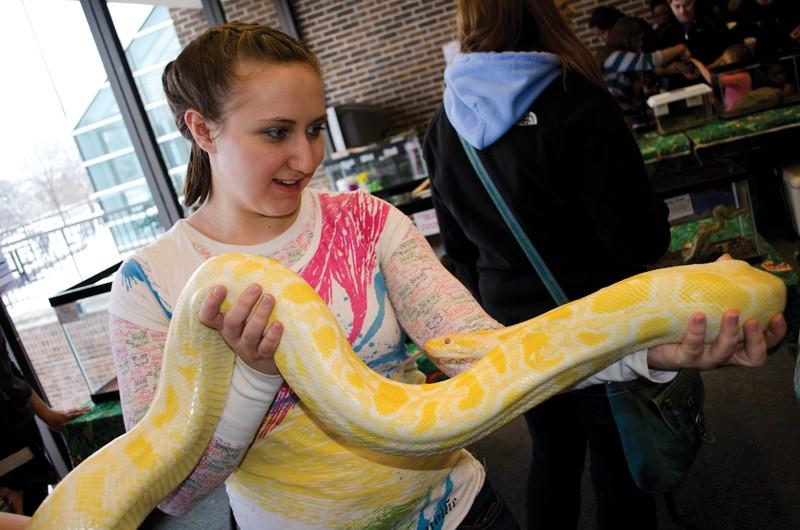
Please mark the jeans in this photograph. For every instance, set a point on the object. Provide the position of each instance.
(562, 428)
(488, 512)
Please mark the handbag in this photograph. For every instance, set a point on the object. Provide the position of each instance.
(661, 425)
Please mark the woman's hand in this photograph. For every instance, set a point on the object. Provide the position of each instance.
(244, 327)
(693, 352)
(795, 33)
(56, 419)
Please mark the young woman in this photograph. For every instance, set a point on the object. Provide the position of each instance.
(530, 97)
(624, 64)
(250, 100)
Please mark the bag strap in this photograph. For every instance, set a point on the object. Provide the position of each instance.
(550, 282)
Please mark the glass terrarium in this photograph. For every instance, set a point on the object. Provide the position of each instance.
(378, 166)
(681, 109)
(742, 89)
(706, 223)
(787, 77)
(82, 312)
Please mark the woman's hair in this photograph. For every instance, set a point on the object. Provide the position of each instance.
(627, 34)
(203, 76)
(523, 25)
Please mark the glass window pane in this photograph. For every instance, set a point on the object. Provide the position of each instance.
(161, 119)
(150, 46)
(149, 85)
(73, 200)
(153, 47)
(102, 107)
(98, 141)
(175, 151)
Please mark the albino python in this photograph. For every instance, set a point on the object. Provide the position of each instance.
(502, 373)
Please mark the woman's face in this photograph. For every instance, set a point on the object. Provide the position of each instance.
(269, 142)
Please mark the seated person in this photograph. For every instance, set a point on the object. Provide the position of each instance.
(705, 36)
(774, 76)
(602, 19)
(27, 470)
(624, 64)
(662, 15)
(774, 24)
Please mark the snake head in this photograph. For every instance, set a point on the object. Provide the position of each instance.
(456, 352)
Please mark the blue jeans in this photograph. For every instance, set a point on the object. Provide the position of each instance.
(488, 512)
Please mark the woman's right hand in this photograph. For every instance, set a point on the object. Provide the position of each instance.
(244, 327)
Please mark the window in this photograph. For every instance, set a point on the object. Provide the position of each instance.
(74, 199)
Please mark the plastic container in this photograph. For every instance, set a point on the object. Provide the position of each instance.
(681, 109)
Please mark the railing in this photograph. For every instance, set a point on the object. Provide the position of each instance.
(33, 256)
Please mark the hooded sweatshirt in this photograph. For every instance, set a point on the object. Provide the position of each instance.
(487, 93)
(558, 149)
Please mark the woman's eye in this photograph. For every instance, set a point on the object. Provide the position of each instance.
(275, 133)
(316, 130)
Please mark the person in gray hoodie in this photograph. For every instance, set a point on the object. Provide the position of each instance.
(528, 95)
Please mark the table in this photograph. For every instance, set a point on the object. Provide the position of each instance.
(656, 147)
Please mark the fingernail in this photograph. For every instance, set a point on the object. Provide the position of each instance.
(253, 289)
(699, 319)
(219, 291)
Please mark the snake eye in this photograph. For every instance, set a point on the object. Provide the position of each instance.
(447, 341)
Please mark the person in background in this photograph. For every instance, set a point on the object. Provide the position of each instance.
(602, 19)
(530, 97)
(624, 64)
(25, 469)
(774, 24)
(706, 37)
(566, 9)
(662, 15)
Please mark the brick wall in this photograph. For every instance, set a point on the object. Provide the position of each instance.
(583, 8)
(54, 362)
(384, 52)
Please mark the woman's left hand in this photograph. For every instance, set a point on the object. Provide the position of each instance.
(727, 349)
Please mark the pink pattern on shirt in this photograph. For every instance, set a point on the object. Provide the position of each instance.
(351, 227)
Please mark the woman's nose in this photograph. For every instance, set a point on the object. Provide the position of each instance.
(304, 156)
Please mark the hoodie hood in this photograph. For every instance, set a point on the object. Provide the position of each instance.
(486, 93)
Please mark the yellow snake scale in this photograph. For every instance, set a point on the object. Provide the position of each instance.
(509, 371)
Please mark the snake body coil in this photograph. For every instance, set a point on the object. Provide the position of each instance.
(509, 371)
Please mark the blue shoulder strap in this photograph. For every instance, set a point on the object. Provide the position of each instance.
(530, 251)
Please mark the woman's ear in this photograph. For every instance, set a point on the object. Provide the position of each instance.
(200, 129)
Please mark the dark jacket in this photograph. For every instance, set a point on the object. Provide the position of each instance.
(705, 38)
(577, 181)
(769, 25)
